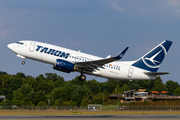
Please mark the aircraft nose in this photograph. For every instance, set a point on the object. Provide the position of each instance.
(10, 46)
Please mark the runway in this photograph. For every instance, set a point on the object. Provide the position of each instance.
(90, 117)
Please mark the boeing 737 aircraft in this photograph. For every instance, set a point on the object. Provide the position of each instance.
(66, 60)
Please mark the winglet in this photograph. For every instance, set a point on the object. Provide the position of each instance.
(121, 54)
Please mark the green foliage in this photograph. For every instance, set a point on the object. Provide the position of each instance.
(171, 86)
(56, 103)
(24, 90)
(177, 91)
(85, 101)
(120, 90)
(79, 92)
(5, 103)
(158, 85)
(109, 86)
(98, 98)
(134, 85)
(41, 103)
(150, 85)
(94, 86)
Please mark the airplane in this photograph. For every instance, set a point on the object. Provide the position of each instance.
(67, 60)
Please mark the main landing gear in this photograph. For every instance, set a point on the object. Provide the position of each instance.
(82, 77)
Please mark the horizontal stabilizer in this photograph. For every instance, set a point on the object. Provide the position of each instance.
(156, 73)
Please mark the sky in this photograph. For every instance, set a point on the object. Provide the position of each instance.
(97, 27)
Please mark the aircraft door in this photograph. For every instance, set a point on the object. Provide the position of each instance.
(32, 46)
(130, 72)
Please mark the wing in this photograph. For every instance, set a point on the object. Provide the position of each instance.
(91, 66)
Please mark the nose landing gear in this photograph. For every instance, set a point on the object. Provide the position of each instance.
(23, 62)
(20, 56)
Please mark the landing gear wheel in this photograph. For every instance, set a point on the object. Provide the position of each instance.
(82, 77)
(23, 62)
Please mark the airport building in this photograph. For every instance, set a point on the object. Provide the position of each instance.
(141, 95)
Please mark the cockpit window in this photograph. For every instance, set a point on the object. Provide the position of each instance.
(20, 43)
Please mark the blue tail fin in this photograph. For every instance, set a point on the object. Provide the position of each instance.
(151, 61)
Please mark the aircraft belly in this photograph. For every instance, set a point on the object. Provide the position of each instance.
(41, 57)
(139, 75)
(113, 74)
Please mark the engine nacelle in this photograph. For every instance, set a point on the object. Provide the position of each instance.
(64, 66)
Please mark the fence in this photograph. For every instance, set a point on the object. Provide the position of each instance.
(85, 108)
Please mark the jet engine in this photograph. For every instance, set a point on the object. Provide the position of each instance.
(64, 66)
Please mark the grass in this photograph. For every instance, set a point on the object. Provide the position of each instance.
(57, 112)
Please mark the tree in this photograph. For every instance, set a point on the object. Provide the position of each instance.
(41, 96)
(32, 82)
(94, 86)
(177, 91)
(171, 86)
(21, 75)
(133, 85)
(51, 86)
(142, 83)
(24, 95)
(4, 80)
(53, 77)
(98, 98)
(42, 103)
(85, 101)
(56, 103)
(76, 81)
(122, 82)
(110, 85)
(40, 77)
(2, 73)
(42, 85)
(121, 90)
(58, 94)
(79, 93)
(158, 85)
(150, 85)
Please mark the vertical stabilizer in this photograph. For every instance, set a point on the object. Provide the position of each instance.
(152, 60)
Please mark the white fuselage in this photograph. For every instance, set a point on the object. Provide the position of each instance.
(40, 52)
